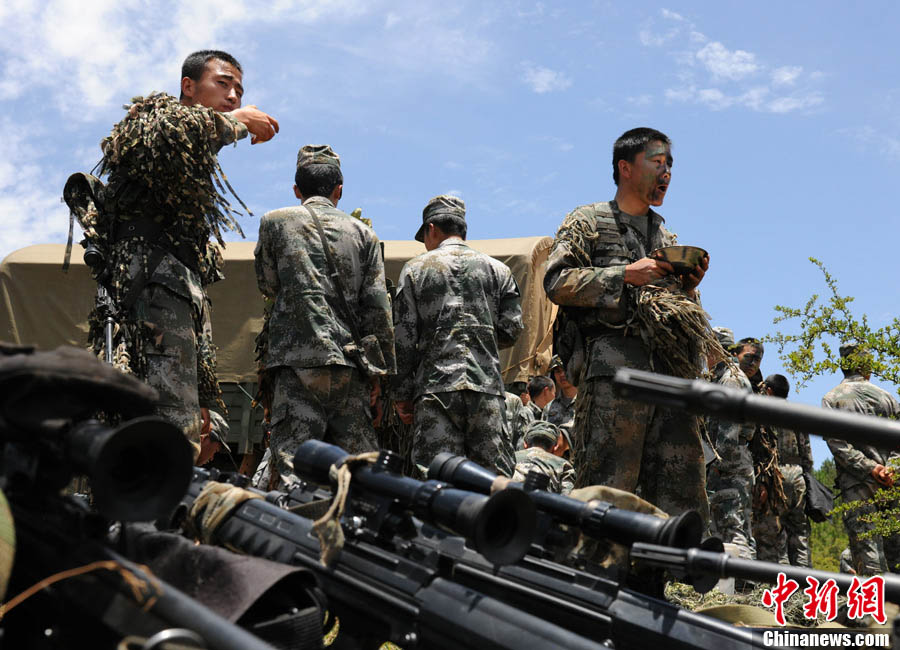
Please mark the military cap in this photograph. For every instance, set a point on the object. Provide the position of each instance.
(565, 429)
(555, 362)
(847, 349)
(218, 429)
(317, 154)
(541, 430)
(725, 336)
(443, 207)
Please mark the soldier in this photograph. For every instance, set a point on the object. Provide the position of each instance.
(598, 262)
(331, 338)
(562, 409)
(542, 390)
(455, 308)
(543, 452)
(518, 417)
(785, 537)
(861, 469)
(730, 477)
(750, 355)
(163, 208)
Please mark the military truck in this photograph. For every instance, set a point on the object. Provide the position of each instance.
(42, 305)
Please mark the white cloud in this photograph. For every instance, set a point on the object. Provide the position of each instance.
(786, 75)
(726, 64)
(544, 80)
(757, 98)
(671, 15)
(641, 100)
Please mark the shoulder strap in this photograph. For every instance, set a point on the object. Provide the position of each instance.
(335, 276)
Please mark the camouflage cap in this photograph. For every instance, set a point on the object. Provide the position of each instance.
(847, 349)
(218, 429)
(725, 336)
(541, 430)
(317, 154)
(444, 207)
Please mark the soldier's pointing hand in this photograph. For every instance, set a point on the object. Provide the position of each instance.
(262, 126)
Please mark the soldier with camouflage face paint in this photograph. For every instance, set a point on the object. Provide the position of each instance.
(861, 469)
(319, 392)
(543, 452)
(595, 271)
(162, 207)
(455, 308)
(730, 478)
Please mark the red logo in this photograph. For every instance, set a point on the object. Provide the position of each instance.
(778, 594)
(821, 600)
(866, 598)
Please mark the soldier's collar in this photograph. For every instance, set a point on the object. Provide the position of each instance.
(319, 200)
(453, 240)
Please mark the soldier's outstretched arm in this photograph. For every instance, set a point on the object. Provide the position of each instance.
(262, 126)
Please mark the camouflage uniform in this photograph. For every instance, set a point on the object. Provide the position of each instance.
(559, 470)
(318, 390)
(537, 413)
(518, 417)
(454, 308)
(618, 442)
(730, 481)
(561, 410)
(785, 538)
(163, 205)
(854, 464)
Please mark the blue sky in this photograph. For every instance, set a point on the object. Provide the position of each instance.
(786, 140)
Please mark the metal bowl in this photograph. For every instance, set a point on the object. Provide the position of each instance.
(682, 258)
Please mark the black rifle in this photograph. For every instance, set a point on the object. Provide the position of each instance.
(139, 471)
(700, 396)
(595, 518)
(430, 589)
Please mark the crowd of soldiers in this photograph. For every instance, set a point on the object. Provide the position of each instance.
(334, 340)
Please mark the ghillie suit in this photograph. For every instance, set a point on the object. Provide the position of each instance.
(149, 230)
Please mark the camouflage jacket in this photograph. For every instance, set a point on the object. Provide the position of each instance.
(732, 438)
(518, 416)
(561, 410)
(855, 462)
(455, 309)
(794, 448)
(307, 328)
(536, 412)
(586, 270)
(559, 470)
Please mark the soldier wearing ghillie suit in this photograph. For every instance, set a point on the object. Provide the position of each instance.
(323, 379)
(861, 469)
(599, 271)
(784, 536)
(730, 477)
(455, 309)
(152, 226)
(543, 453)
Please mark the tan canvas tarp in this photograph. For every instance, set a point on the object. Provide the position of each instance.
(44, 306)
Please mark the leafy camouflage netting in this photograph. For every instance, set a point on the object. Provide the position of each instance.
(768, 492)
(672, 322)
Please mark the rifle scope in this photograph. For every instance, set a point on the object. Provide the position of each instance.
(500, 527)
(595, 518)
(139, 471)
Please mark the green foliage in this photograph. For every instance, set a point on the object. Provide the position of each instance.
(827, 539)
(824, 326)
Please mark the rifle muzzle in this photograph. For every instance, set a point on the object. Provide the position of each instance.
(500, 527)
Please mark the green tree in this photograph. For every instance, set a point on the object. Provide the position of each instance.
(824, 326)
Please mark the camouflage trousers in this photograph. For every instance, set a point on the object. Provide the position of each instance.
(465, 423)
(651, 451)
(785, 538)
(172, 356)
(731, 509)
(330, 403)
(868, 554)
